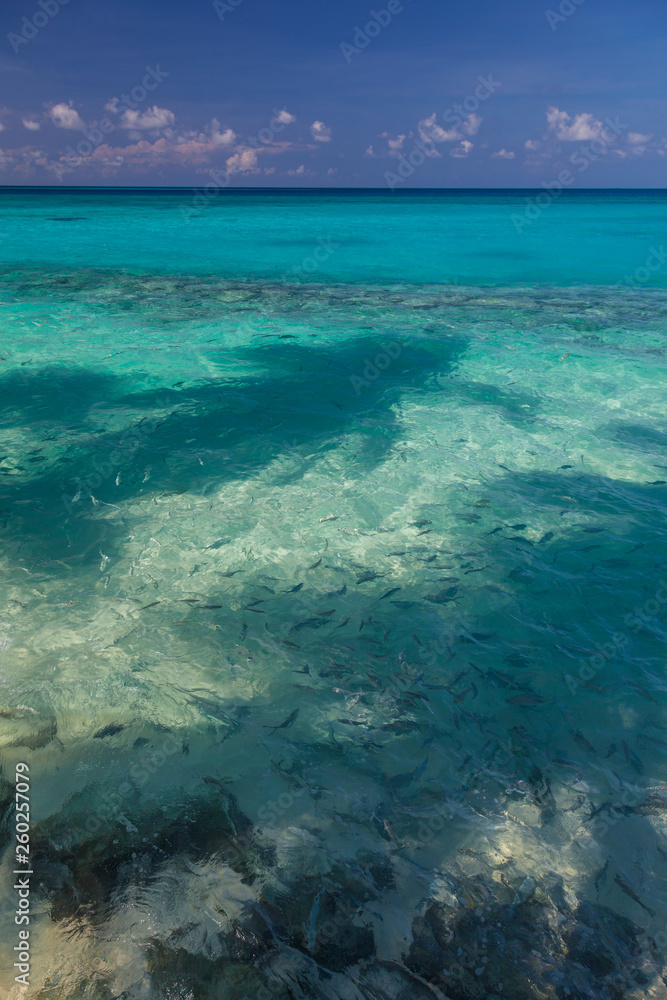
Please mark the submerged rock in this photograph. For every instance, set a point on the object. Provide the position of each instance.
(526, 951)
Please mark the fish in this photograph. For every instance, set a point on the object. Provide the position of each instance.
(610, 752)
(329, 517)
(395, 590)
(629, 891)
(527, 700)
(365, 577)
(443, 596)
(289, 721)
(294, 590)
(309, 623)
(218, 545)
(110, 730)
(581, 740)
(315, 564)
(420, 524)
(150, 605)
(518, 527)
(210, 607)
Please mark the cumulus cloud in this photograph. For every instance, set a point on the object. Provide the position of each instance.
(243, 162)
(396, 143)
(502, 154)
(152, 118)
(462, 151)
(31, 124)
(218, 138)
(581, 128)
(370, 151)
(429, 131)
(531, 144)
(65, 116)
(285, 118)
(471, 125)
(299, 172)
(320, 132)
(637, 138)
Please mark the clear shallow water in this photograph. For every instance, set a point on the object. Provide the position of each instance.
(332, 611)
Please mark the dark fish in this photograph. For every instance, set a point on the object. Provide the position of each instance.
(420, 524)
(546, 537)
(218, 545)
(215, 781)
(518, 527)
(110, 730)
(309, 623)
(210, 607)
(294, 590)
(389, 593)
(150, 605)
(527, 700)
(288, 721)
(581, 740)
(315, 564)
(610, 752)
(365, 577)
(629, 891)
(495, 530)
(443, 596)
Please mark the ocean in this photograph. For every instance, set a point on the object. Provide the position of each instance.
(333, 594)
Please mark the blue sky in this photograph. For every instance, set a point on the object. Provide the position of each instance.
(288, 93)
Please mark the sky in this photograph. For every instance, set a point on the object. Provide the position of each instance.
(299, 93)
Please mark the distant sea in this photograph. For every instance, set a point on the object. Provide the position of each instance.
(333, 594)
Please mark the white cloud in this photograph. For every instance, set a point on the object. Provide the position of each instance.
(331, 171)
(31, 124)
(2, 127)
(285, 118)
(370, 151)
(243, 162)
(430, 132)
(462, 151)
(218, 138)
(396, 143)
(471, 125)
(320, 132)
(581, 128)
(637, 138)
(299, 172)
(269, 170)
(65, 116)
(152, 118)
(531, 144)
(502, 154)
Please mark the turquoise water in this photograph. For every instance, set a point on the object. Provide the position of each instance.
(334, 593)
